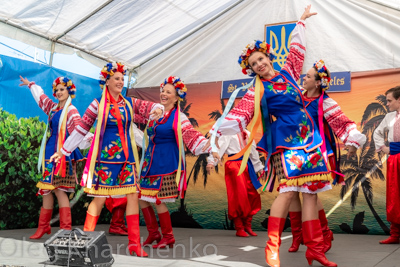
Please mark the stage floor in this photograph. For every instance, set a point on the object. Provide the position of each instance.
(200, 247)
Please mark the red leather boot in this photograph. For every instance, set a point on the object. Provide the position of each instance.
(166, 230)
(394, 235)
(326, 232)
(239, 227)
(134, 236)
(247, 225)
(65, 218)
(117, 225)
(151, 225)
(314, 240)
(44, 223)
(90, 222)
(295, 223)
(275, 228)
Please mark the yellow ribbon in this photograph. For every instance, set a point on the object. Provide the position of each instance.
(253, 125)
(96, 138)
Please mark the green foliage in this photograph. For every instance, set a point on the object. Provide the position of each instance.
(19, 149)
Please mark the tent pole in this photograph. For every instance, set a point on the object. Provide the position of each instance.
(53, 43)
(83, 19)
(53, 46)
(129, 78)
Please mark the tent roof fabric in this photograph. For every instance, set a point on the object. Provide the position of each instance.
(150, 35)
(121, 30)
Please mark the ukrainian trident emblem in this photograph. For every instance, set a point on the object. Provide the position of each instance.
(279, 37)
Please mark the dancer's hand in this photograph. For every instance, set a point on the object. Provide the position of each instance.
(208, 144)
(216, 157)
(307, 13)
(24, 81)
(156, 114)
(386, 150)
(351, 151)
(56, 157)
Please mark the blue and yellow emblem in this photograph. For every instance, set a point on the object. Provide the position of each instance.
(279, 36)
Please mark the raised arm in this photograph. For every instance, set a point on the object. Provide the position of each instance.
(44, 102)
(239, 117)
(295, 59)
(344, 128)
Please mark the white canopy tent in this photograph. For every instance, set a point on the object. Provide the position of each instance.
(200, 40)
(122, 30)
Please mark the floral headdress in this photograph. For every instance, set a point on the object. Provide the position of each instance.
(67, 83)
(257, 45)
(108, 70)
(323, 74)
(178, 84)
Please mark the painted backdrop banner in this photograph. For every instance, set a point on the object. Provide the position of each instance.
(206, 202)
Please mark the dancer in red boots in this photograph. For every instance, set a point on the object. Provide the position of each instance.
(243, 199)
(294, 147)
(329, 118)
(111, 163)
(117, 206)
(58, 179)
(163, 172)
(391, 124)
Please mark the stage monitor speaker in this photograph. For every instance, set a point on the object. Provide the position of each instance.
(78, 248)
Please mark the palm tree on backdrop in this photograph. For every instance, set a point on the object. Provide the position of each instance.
(201, 163)
(366, 162)
(199, 167)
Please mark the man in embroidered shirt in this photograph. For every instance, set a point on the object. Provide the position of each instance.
(391, 124)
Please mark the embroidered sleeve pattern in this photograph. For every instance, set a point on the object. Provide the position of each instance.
(295, 59)
(81, 129)
(73, 118)
(192, 138)
(239, 117)
(44, 102)
(142, 110)
(344, 128)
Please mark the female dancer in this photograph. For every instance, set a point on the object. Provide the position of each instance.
(63, 119)
(110, 169)
(332, 120)
(117, 206)
(292, 144)
(163, 173)
(243, 199)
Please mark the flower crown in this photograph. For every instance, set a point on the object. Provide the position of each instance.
(257, 45)
(67, 83)
(178, 84)
(108, 70)
(323, 74)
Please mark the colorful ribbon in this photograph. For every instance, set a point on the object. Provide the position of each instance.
(253, 125)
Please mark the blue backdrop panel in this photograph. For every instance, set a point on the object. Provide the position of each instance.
(18, 100)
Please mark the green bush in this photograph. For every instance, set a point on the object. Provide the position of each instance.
(19, 149)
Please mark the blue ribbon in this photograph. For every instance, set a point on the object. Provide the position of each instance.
(226, 111)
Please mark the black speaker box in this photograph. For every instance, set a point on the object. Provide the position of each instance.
(77, 248)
